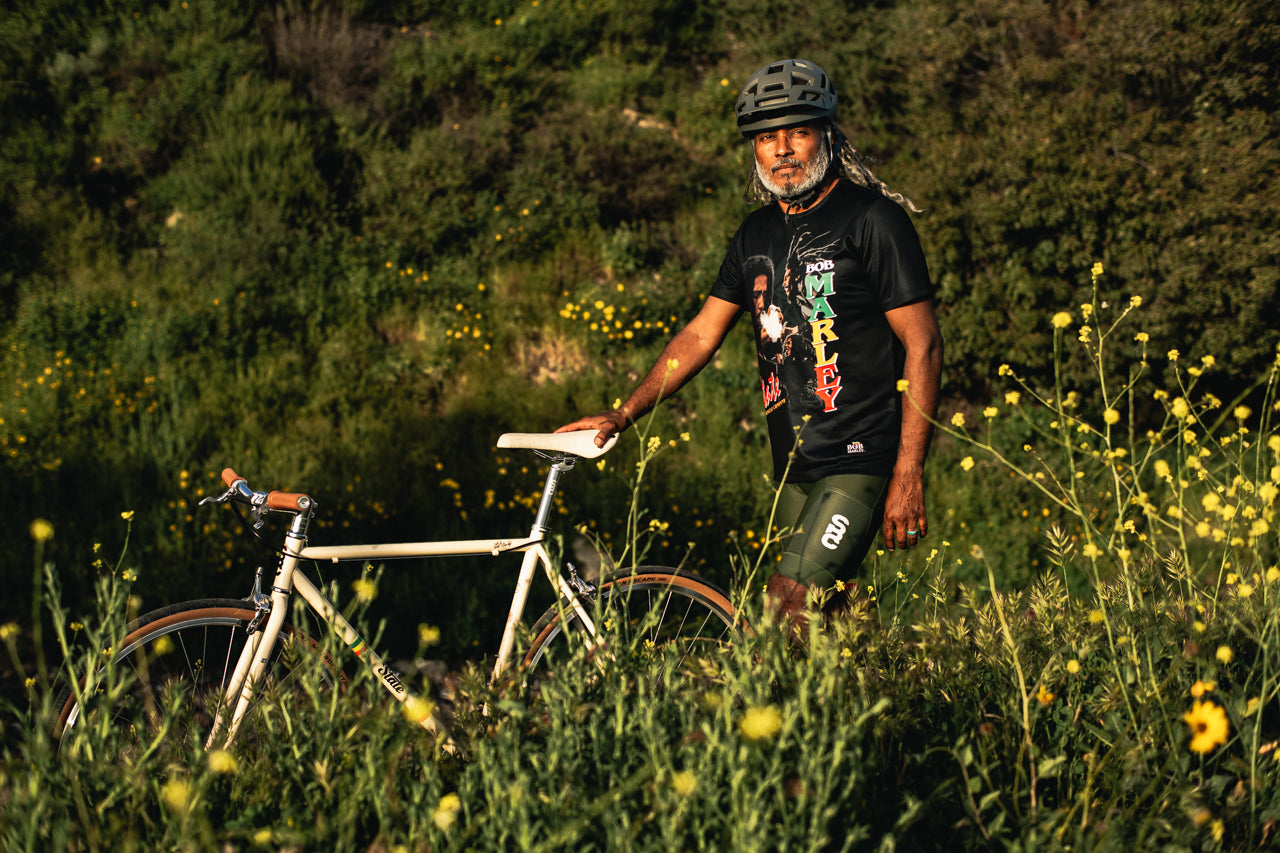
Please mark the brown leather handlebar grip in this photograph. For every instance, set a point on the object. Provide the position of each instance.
(230, 477)
(295, 501)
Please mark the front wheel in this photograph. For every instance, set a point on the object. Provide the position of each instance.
(171, 670)
(643, 612)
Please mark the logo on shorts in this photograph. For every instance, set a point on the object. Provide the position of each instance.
(855, 447)
(835, 532)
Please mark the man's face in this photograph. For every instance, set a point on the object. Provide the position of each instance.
(791, 160)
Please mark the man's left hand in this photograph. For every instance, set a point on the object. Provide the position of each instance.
(904, 519)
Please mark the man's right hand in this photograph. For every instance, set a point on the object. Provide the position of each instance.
(608, 423)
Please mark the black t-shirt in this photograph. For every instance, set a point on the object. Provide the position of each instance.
(818, 285)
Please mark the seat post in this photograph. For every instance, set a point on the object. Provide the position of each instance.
(559, 465)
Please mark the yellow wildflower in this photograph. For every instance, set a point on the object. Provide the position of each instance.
(1224, 654)
(416, 709)
(967, 463)
(1209, 727)
(366, 589)
(684, 783)
(957, 419)
(1044, 696)
(41, 530)
(760, 723)
(1111, 416)
(446, 813)
(221, 761)
(1202, 687)
(177, 793)
(1062, 319)
(1012, 397)
(1073, 666)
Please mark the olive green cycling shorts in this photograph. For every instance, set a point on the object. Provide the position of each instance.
(829, 526)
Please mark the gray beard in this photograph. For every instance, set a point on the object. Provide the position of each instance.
(813, 175)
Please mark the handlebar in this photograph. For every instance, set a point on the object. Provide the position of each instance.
(238, 490)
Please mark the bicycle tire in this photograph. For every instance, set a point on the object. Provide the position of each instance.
(658, 606)
(193, 646)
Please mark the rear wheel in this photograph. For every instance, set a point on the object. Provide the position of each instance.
(653, 610)
(171, 670)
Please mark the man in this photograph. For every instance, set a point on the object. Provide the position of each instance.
(833, 274)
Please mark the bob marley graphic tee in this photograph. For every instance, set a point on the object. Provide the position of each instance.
(818, 285)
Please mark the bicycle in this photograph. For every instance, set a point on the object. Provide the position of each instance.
(228, 652)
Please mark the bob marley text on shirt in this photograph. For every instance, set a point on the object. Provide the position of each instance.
(795, 325)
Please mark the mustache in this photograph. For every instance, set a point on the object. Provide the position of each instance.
(785, 161)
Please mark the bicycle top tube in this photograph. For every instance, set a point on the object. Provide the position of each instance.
(580, 443)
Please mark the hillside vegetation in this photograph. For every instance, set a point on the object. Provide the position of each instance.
(342, 247)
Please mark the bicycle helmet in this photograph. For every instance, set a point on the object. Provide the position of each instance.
(784, 93)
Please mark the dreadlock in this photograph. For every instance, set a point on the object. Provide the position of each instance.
(849, 164)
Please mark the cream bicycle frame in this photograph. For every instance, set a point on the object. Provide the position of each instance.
(257, 651)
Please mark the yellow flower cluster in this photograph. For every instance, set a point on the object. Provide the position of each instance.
(48, 390)
(621, 322)
(468, 325)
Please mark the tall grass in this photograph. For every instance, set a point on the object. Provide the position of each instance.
(1125, 698)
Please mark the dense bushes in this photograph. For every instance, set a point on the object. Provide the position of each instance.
(325, 244)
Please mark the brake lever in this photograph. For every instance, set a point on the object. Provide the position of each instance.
(219, 499)
(257, 502)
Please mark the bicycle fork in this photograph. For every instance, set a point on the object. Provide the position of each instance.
(260, 642)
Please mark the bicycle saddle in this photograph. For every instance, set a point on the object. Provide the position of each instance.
(581, 443)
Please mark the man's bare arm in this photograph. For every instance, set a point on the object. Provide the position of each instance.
(917, 328)
(685, 354)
